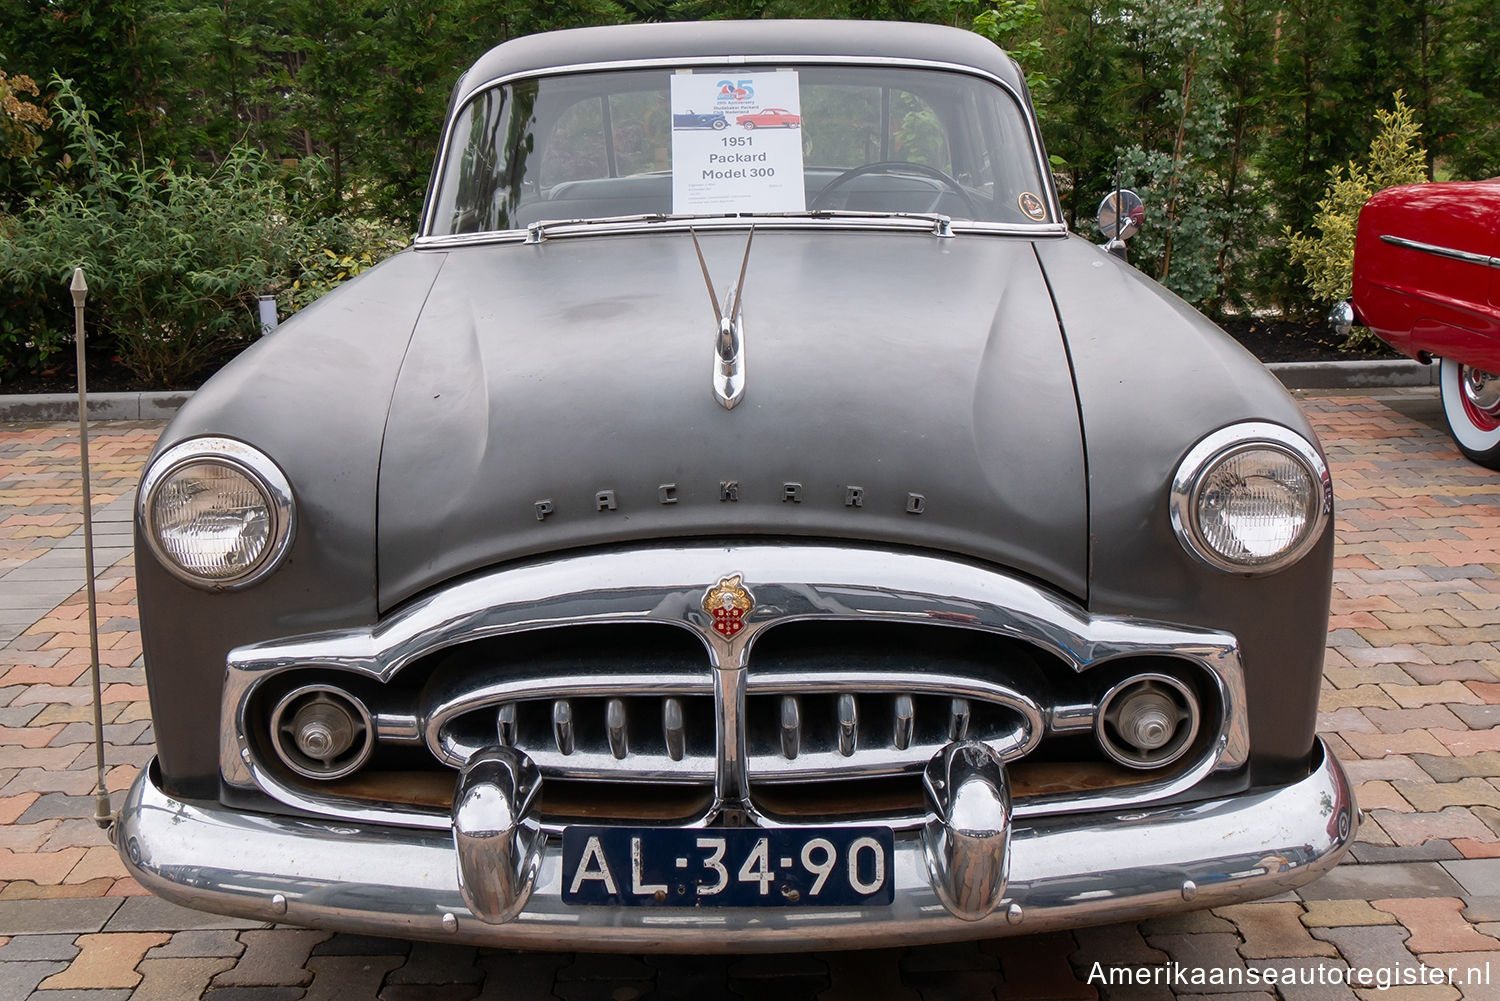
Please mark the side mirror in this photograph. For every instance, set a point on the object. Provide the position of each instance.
(1120, 216)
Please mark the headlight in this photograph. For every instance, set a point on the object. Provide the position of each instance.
(1252, 498)
(216, 512)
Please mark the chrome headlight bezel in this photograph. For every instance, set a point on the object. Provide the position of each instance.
(1224, 444)
(255, 466)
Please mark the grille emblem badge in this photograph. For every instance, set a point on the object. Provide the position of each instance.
(728, 602)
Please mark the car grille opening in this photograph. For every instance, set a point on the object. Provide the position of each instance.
(841, 718)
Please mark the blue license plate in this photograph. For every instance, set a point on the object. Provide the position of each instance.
(728, 866)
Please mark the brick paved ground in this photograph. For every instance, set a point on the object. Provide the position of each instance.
(1412, 691)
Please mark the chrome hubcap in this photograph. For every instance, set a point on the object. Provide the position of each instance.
(1481, 389)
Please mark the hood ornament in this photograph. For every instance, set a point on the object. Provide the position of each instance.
(728, 602)
(729, 343)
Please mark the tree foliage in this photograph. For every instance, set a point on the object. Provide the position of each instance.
(1227, 114)
(1396, 156)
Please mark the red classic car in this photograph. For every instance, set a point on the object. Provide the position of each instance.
(1427, 282)
(771, 118)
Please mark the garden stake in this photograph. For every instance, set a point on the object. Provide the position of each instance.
(103, 816)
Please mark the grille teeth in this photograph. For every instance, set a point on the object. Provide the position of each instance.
(673, 732)
(505, 724)
(905, 722)
(614, 722)
(791, 726)
(848, 724)
(562, 725)
(958, 722)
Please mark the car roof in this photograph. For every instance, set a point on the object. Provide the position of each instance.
(690, 40)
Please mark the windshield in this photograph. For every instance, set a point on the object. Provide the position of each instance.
(737, 140)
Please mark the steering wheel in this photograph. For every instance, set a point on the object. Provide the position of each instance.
(899, 167)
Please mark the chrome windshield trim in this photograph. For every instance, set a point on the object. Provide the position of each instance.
(615, 225)
(1038, 149)
(665, 586)
(1468, 257)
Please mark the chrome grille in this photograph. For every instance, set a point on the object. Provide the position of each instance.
(798, 729)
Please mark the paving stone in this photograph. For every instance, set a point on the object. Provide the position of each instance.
(41, 917)
(1273, 930)
(1477, 717)
(861, 976)
(1478, 877)
(1344, 913)
(1205, 956)
(692, 978)
(1306, 979)
(1364, 882)
(1431, 797)
(1449, 693)
(438, 963)
(520, 976)
(347, 977)
(1432, 717)
(1115, 945)
(1185, 923)
(422, 992)
(274, 957)
(1437, 925)
(605, 966)
(1486, 908)
(1448, 824)
(156, 914)
(1036, 967)
(949, 956)
(18, 980)
(1432, 850)
(1380, 796)
(254, 994)
(120, 994)
(604, 990)
(1475, 974)
(106, 960)
(955, 986)
(198, 944)
(343, 944)
(1429, 993)
(770, 966)
(173, 979)
(1374, 947)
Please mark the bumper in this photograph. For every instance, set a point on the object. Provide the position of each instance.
(1063, 871)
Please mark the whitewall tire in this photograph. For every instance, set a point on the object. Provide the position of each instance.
(1471, 405)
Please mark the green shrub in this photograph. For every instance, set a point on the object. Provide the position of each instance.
(1327, 258)
(175, 258)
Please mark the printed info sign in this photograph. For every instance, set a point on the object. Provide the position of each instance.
(736, 142)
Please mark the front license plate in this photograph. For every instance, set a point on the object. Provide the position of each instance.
(728, 867)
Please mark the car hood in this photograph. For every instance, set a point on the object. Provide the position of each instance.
(901, 390)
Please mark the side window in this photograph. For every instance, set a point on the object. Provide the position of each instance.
(575, 147)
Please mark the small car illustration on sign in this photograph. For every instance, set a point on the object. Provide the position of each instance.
(694, 120)
(940, 577)
(770, 118)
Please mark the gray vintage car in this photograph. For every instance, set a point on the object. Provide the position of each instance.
(736, 539)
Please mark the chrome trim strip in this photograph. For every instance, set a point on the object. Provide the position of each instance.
(1064, 872)
(250, 462)
(675, 224)
(1468, 257)
(665, 586)
(439, 171)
